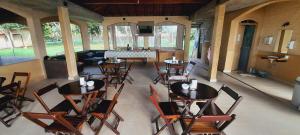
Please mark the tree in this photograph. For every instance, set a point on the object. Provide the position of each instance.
(95, 29)
(7, 29)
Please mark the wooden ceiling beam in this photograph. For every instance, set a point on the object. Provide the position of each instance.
(134, 2)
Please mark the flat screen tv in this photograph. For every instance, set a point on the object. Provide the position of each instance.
(145, 28)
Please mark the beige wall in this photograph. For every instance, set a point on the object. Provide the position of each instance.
(269, 19)
(34, 67)
(275, 15)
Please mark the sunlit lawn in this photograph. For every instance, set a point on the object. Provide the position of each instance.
(51, 50)
(56, 49)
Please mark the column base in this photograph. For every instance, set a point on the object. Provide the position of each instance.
(73, 77)
(227, 71)
(213, 80)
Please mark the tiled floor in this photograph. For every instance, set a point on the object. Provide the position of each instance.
(257, 114)
(274, 88)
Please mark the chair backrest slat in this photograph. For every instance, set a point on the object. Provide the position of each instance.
(214, 118)
(47, 89)
(233, 95)
(38, 117)
(230, 92)
(23, 86)
(43, 91)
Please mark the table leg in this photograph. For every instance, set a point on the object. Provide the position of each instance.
(73, 103)
(86, 103)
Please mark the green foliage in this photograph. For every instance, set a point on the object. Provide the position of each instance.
(51, 31)
(95, 29)
(11, 26)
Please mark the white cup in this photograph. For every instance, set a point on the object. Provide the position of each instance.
(82, 81)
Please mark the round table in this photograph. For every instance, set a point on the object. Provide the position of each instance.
(74, 89)
(203, 94)
(173, 63)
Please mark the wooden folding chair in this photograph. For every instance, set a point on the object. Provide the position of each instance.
(126, 75)
(208, 124)
(102, 112)
(168, 111)
(61, 124)
(161, 74)
(109, 70)
(8, 105)
(64, 106)
(217, 110)
(2, 79)
(20, 76)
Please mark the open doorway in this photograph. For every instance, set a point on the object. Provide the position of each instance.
(250, 27)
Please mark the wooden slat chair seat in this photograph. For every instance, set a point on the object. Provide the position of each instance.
(167, 111)
(8, 105)
(237, 99)
(102, 112)
(209, 124)
(60, 122)
(64, 106)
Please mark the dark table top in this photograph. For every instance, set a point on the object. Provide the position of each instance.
(172, 62)
(74, 88)
(204, 92)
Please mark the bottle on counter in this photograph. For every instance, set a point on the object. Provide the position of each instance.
(128, 48)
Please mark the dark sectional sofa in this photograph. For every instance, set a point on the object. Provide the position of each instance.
(56, 66)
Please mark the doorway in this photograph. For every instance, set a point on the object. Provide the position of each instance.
(246, 46)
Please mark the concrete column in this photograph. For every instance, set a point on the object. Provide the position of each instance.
(216, 42)
(37, 38)
(105, 37)
(64, 20)
(230, 46)
(85, 37)
(187, 42)
(146, 42)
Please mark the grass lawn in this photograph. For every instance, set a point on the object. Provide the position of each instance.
(57, 48)
(52, 49)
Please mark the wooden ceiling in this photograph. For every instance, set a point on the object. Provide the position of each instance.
(10, 17)
(109, 8)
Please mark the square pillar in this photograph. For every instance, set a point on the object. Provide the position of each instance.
(146, 42)
(85, 37)
(64, 20)
(187, 42)
(216, 41)
(105, 37)
(37, 39)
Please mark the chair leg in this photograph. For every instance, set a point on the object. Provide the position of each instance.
(112, 128)
(117, 115)
(97, 130)
(155, 119)
(159, 131)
